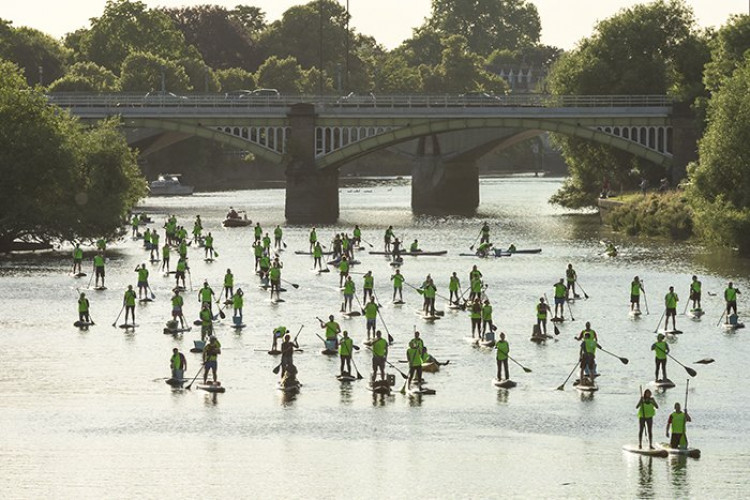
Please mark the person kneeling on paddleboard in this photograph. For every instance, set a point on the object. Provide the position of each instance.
(677, 421)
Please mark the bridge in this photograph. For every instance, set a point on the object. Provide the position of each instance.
(312, 136)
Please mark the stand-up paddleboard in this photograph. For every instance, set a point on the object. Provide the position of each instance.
(655, 452)
(228, 302)
(539, 339)
(198, 346)
(663, 384)
(351, 314)
(487, 343)
(455, 307)
(100, 288)
(329, 352)
(474, 341)
(428, 317)
(504, 383)
(423, 391)
(398, 302)
(379, 387)
(154, 261)
(293, 386)
(78, 275)
(397, 263)
(238, 326)
(83, 324)
(557, 320)
(128, 326)
(302, 252)
(268, 287)
(696, 313)
(175, 382)
(473, 255)
(208, 259)
(589, 387)
(367, 342)
(277, 301)
(346, 377)
(212, 387)
(688, 452)
(145, 300)
(671, 332)
(413, 254)
(175, 331)
(352, 262)
(635, 313)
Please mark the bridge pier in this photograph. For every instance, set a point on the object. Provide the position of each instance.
(440, 187)
(312, 195)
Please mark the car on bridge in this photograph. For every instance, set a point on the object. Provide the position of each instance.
(359, 99)
(163, 98)
(479, 98)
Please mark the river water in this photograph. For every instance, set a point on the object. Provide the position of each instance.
(86, 414)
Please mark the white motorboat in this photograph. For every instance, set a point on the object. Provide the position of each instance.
(169, 185)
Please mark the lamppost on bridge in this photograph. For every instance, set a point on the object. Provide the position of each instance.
(346, 77)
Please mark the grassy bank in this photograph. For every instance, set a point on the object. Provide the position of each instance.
(654, 214)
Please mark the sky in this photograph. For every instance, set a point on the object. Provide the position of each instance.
(564, 22)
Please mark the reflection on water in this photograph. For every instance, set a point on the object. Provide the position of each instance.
(645, 477)
(678, 475)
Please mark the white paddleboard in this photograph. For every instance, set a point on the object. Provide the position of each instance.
(656, 452)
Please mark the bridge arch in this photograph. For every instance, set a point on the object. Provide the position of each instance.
(402, 134)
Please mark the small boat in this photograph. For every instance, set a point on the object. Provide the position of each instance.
(431, 367)
(504, 383)
(688, 452)
(238, 221)
(649, 452)
(212, 387)
(423, 253)
(521, 250)
(169, 185)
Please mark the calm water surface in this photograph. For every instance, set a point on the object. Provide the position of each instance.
(87, 414)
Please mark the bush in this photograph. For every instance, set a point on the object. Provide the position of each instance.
(656, 214)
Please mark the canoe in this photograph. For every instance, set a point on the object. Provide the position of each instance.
(212, 387)
(504, 384)
(656, 452)
(523, 250)
(413, 254)
(663, 384)
(688, 452)
(83, 324)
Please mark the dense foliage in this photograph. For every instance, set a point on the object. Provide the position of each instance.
(657, 214)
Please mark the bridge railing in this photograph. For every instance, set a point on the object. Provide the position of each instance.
(201, 100)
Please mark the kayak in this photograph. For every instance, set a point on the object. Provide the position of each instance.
(663, 384)
(212, 387)
(522, 250)
(413, 254)
(656, 452)
(236, 222)
(688, 452)
(504, 384)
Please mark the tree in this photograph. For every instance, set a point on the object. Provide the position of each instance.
(86, 77)
(42, 58)
(311, 80)
(143, 72)
(727, 51)
(395, 76)
(51, 165)
(460, 70)
(719, 188)
(284, 75)
(126, 27)
(646, 49)
(252, 19)
(202, 78)
(235, 79)
(424, 47)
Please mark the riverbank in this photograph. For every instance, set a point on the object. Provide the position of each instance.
(651, 214)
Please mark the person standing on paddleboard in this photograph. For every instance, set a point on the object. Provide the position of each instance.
(695, 292)
(661, 349)
(128, 301)
(485, 233)
(398, 285)
(670, 302)
(676, 422)
(154, 246)
(454, 285)
(636, 287)
(414, 357)
(313, 239)
(274, 275)
(730, 296)
(367, 287)
(77, 258)
(475, 314)
(287, 355)
(371, 315)
(571, 277)
(210, 358)
(387, 239)
(332, 330)
(278, 233)
(588, 359)
(237, 302)
(343, 270)
(142, 280)
(379, 355)
(177, 303)
(541, 315)
(228, 289)
(346, 346)
(349, 291)
(83, 309)
(561, 292)
(486, 317)
(207, 324)
(646, 410)
(502, 357)
(206, 296)
(99, 268)
(180, 272)
(165, 251)
(178, 364)
(430, 290)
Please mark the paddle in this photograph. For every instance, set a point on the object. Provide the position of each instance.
(705, 361)
(153, 295)
(722, 317)
(405, 376)
(546, 302)
(527, 370)
(91, 278)
(475, 240)
(216, 254)
(359, 376)
(295, 285)
(371, 246)
(687, 386)
(118, 316)
(624, 361)
(659, 323)
(562, 387)
(221, 312)
(645, 300)
(687, 302)
(584, 291)
(421, 292)
(203, 365)
(570, 311)
(390, 338)
(190, 278)
(690, 371)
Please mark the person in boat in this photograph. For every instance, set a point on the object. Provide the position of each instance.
(356, 236)
(676, 422)
(485, 231)
(454, 286)
(414, 357)
(636, 287)
(232, 214)
(588, 359)
(387, 237)
(661, 349)
(77, 258)
(670, 302)
(332, 329)
(180, 272)
(487, 317)
(398, 285)
(541, 315)
(208, 244)
(313, 239)
(571, 277)
(154, 246)
(207, 322)
(561, 292)
(512, 248)
(396, 249)
(317, 257)
(646, 410)
(206, 296)
(142, 280)
(695, 292)
(210, 358)
(99, 268)
(274, 276)
(177, 303)
(287, 356)
(178, 364)
(278, 333)
(379, 355)
(346, 346)
(134, 224)
(237, 302)
(257, 231)
(83, 309)
(343, 270)
(128, 301)
(429, 291)
(228, 289)
(349, 291)
(730, 296)
(165, 252)
(371, 314)
(483, 250)
(502, 357)
(475, 314)
(368, 286)
(278, 233)
(414, 247)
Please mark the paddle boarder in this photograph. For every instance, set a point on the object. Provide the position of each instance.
(367, 287)
(278, 333)
(636, 287)
(208, 243)
(128, 301)
(485, 233)
(476, 289)
(371, 315)
(287, 356)
(695, 292)
(77, 258)
(571, 277)
(165, 251)
(332, 330)
(561, 292)
(676, 422)
(429, 291)
(475, 314)
(414, 357)
(274, 275)
(346, 346)
(387, 239)
(237, 302)
(278, 233)
(398, 285)
(179, 274)
(541, 315)
(142, 280)
(646, 410)
(487, 317)
(83, 309)
(343, 270)
(588, 359)
(154, 246)
(257, 231)
(483, 250)
(178, 365)
(207, 321)
(267, 243)
(586, 330)
(177, 303)
(210, 358)
(317, 257)
(730, 296)
(206, 296)
(349, 291)
(396, 250)
(379, 355)
(197, 228)
(454, 285)
(670, 302)
(99, 269)
(502, 357)
(313, 239)
(357, 235)
(661, 349)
